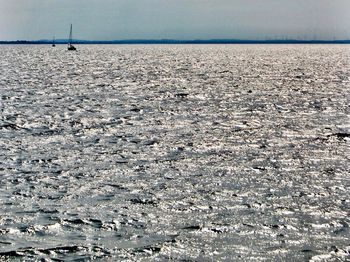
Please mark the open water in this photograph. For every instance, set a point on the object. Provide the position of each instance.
(175, 152)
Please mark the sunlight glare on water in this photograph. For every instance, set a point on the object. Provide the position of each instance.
(184, 152)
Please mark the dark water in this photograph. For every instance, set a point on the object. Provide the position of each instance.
(193, 153)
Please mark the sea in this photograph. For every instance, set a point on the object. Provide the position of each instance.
(175, 153)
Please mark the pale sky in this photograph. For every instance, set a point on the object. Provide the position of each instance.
(175, 19)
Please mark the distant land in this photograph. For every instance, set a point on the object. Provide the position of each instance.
(174, 41)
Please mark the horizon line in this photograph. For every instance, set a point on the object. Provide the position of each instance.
(176, 41)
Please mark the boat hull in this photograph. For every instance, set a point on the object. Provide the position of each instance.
(71, 48)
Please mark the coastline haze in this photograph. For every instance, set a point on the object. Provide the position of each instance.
(156, 19)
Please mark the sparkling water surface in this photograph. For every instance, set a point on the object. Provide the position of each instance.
(175, 152)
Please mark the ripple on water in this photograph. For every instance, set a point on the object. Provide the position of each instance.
(195, 153)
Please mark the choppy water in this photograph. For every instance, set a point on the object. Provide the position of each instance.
(193, 153)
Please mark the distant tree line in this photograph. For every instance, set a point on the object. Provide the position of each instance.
(174, 41)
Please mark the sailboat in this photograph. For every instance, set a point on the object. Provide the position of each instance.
(53, 42)
(70, 46)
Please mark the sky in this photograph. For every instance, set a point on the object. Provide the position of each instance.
(175, 19)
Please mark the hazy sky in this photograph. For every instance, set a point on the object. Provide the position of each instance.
(176, 19)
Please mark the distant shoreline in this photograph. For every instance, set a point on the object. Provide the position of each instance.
(171, 41)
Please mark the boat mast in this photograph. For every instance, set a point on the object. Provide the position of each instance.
(70, 46)
(70, 35)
